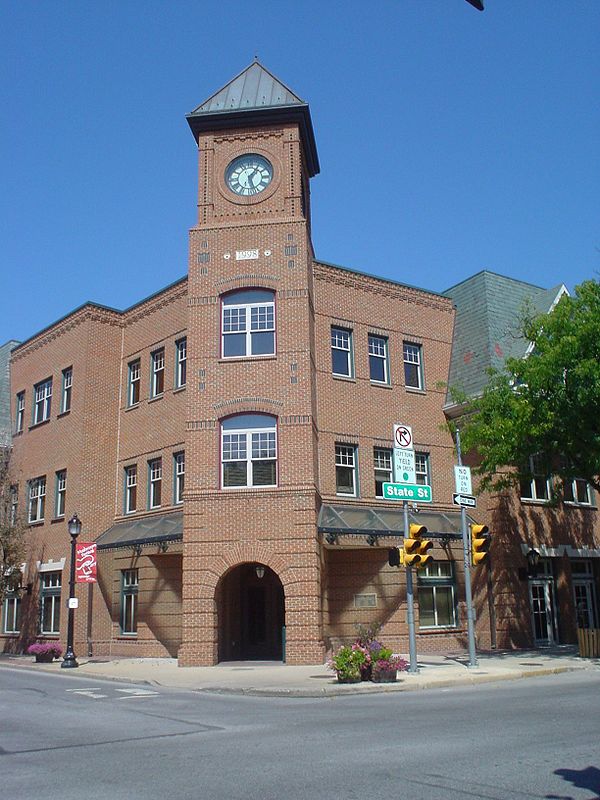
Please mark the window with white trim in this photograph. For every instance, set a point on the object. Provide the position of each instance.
(157, 368)
(178, 477)
(341, 352)
(537, 487)
(14, 504)
(67, 386)
(50, 602)
(130, 488)
(20, 412)
(133, 382)
(437, 595)
(180, 363)
(154, 483)
(346, 482)
(378, 359)
(413, 366)
(129, 600)
(11, 613)
(422, 469)
(61, 493)
(578, 491)
(382, 460)
(37, 499)
(42, 401)
(249, 451)
(248, 323)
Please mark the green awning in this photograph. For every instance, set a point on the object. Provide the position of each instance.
(154, 529)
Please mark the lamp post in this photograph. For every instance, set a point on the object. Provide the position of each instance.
(74, 530)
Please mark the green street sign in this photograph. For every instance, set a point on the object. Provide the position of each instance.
(407, 491)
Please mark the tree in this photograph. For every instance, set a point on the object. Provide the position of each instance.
(12, 531)
(545, 405)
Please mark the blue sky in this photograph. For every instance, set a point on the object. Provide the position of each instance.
(450, 140)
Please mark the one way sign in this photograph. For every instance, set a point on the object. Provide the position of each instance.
(464, 500)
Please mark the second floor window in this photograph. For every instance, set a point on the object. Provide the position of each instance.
(341, 352)
(178, 477)
(382, 458)
(20, 412)
(180, 363)
(67, 384)
(345, 470)
(248, 323)
(378, 359)
(155, 483)
(61, 493)
(422, 469)
(158, 372)
(413, 366)
(249, 451)
(37, 499)
(537, 486)
(133, 388)
(42, 401)
(130, 489)
(578, 490)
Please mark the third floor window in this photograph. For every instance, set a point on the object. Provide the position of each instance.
(42, 401)
(248, 323)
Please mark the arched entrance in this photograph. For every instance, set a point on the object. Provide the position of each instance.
(251, 614)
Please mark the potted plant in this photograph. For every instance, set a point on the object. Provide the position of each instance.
(45, 651)
(347, 663)
(386, 665)
(366, 640)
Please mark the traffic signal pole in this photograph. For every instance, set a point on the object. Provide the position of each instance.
(467, 562)
(410, 611)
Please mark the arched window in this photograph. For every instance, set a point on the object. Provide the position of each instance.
(249, 451)
(248, 323)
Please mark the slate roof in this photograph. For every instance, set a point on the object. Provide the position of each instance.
(488, 311)
(5, 420)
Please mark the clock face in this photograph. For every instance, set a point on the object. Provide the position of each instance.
(248, 175)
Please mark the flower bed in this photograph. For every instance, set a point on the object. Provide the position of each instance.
(45, 652)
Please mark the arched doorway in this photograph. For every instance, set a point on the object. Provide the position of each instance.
(251, 612)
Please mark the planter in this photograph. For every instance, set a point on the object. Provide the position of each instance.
(44, 658)
(366, 672)
(349, 678)
(384, 676)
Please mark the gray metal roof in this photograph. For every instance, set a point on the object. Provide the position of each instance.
(254, 87)
(147, 530)
(489, 309)
(366, 520)
(5, 420)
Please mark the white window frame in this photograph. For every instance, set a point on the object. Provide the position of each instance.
(134, 370)
(178, 477)
(250, 445)
(157, 368)
(130, 581)
(346, 458)
(383, 463)
(37, 499)
(438, 575)
(576, 485)
(378, 354)
(181, 363)
(422, 469)
(412, 354)
(20, 412)
(42, 394)
(247, 318)
(50, 592)
(67, 386)
(11, 613)
(14, 503)
(154, 483)
(540, 487)
(341, 342)
(131, 488)
(61, 493)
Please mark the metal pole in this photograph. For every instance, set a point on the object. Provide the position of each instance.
(69, 660)
(467, 562)
(410, 612)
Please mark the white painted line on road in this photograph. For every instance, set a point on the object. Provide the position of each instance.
(137, 696)
(137, 691)
(88, 693)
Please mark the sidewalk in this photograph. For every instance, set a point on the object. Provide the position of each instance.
(276, 679)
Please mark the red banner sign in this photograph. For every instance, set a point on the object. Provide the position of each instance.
(85, 562)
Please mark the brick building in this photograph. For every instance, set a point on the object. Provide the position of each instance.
(225, 441)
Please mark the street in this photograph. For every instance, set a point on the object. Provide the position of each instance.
(67, 737)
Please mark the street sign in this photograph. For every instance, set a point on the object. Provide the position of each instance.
(464, 500)
(418, 493)
(404, 466)
(403, 437)
(462, 480)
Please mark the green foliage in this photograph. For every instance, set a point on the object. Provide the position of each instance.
(546, 404)
(347, 662)
(12, 532)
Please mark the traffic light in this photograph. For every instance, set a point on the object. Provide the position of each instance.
(415, 547)
(480, 544)
(394, 557)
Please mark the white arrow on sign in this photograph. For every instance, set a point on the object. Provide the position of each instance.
(464, 500)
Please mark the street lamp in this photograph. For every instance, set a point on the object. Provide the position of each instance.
(74, 530)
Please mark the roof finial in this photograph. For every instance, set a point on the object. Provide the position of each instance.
(255, 58)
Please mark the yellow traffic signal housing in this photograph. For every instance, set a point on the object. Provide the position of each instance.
(415, 547)
(480, 544)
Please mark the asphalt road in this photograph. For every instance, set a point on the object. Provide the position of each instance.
(68, 738)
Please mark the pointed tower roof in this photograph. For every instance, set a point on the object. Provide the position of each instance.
(256, 97)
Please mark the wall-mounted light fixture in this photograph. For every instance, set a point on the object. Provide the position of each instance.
(260, 571)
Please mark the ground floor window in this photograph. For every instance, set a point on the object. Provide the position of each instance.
(50, 602)
(11, 613)
(129, 593)
(437, 595)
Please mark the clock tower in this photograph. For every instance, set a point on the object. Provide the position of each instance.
(252, 562)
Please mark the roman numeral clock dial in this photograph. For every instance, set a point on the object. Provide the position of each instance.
(248, 175)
